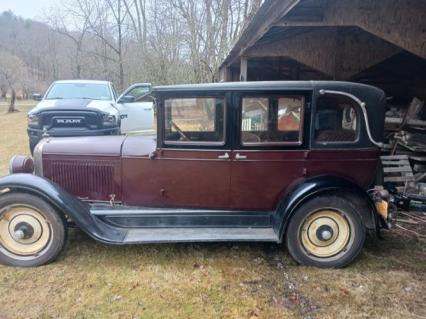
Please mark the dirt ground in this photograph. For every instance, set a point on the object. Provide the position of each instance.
(92, 280)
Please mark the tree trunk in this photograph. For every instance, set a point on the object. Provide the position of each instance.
(121, 71)
(3, 93)
(12, 102)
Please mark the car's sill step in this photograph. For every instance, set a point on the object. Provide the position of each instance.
(171, 235)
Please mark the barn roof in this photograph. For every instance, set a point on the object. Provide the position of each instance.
(271, 11)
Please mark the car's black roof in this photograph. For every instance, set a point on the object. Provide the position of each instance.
(266, 85)
(374, 98)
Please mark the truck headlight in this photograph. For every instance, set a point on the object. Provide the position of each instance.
(109, 120)
(33, 120)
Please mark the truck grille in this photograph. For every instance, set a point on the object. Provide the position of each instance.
(70, 119)
(92, 179)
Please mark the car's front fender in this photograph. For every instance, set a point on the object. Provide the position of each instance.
(64, 202)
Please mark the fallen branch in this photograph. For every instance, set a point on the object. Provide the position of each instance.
(407, 221)
(420, 219)
(411, 231)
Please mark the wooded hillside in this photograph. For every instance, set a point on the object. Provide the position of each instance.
(124, 41)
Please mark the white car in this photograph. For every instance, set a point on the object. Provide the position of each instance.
(82, 108)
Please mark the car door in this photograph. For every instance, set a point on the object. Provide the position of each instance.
(137, 115)
(270, 152)
(191, 167)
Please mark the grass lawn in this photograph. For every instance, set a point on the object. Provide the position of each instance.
(92, 280)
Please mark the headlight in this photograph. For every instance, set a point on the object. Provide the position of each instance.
(33, 120)
(109, 120)
(21, 164)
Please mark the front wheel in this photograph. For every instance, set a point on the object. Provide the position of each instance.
(32, 233)
(326, 231)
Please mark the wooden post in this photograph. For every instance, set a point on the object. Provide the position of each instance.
(224, 74)
(243, 69)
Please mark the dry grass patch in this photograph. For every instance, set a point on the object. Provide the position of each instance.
(13, 133)
(91, 280)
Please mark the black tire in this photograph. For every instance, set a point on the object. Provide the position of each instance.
(300, 240)
(50, 236)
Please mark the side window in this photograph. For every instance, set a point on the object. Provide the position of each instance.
(138, 92)
(336, 120)
(194, 120)
(273, 120)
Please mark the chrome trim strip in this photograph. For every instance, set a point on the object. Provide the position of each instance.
(222, 143)
(38, 158)
(162, 211)
(363, 109)
(299, 143)
(217, 150)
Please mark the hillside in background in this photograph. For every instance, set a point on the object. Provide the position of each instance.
(123, 41)
(31, 42)
(45, 54)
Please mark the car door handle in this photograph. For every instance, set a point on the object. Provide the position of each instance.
(224, 156)
(240, 157)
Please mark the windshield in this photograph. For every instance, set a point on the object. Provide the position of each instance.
(88, 91)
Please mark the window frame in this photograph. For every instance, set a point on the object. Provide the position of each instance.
(166, 142)
(276, 97)
(319, 144)
(114, 93)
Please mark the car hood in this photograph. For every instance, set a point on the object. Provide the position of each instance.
(71, 104)
(126, 146)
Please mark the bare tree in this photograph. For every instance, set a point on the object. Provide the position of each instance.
(12, 72)
(70, 22)
(250, 9)
(136, 10)
(3, 90)
(211, 27)
(107, 20)
(124, 41)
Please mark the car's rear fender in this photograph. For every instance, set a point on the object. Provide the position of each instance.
(63, 202)
(321, 185)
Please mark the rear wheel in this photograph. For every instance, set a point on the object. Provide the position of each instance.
(32, 233)
(325, 232)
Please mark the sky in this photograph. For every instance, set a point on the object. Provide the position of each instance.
(29, 9)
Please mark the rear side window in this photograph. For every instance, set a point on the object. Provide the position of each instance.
(272, 120)
(336, 120)
(195, 119)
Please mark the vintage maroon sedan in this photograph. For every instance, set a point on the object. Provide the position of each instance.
(278, 162)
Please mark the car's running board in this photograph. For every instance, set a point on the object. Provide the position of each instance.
(171, 235)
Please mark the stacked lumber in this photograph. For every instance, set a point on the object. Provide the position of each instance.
(404, 160)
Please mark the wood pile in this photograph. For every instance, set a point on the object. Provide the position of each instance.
(404, 158)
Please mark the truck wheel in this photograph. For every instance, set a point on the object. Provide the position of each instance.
(32, 233)
(325, 232)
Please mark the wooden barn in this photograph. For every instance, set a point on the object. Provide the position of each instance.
(378, 42)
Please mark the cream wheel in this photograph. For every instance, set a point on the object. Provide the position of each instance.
(325, 233)
(23, 230)
(32, 232)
